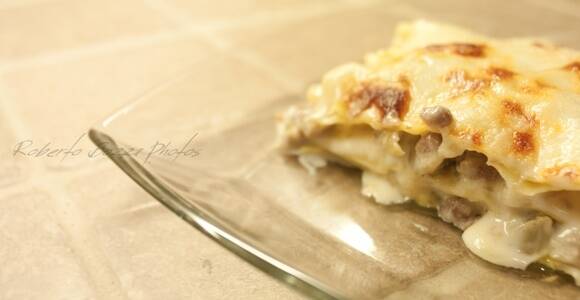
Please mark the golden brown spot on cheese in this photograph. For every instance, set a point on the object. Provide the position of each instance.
(545, 45)
(500, 73)
(515, 110)
(462, 82)
(571, 173)
(390, 101)
(404, 80)
(463, 49)
(573, 66)
(528, 89)
(459, 132)
(536, 86)
(566, 170)
(538, 45)
(476, 138)
(542, 84)
(523, 142)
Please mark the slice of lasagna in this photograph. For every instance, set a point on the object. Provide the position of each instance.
(485, 131)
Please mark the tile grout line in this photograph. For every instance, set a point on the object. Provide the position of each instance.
(97, 264)
(287, 82)
(92, 49)
(80, 235)
(265, 18)
(65, 176)
(259, 63)
(187, 29)
(182, 19)
(413, 12)
(255, 60)
(169, 12)
(23, 3)
(567, 10)
(555, 37)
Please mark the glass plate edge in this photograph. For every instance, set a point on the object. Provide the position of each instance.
(286, 274)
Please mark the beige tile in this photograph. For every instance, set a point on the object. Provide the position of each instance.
(57, 25)
(108, 192)
(204, 12)
(37, 262)
(214, 95)
(60, 102)
(567, 39)
(307, 48)
(159, 256)
(12, 3)
(496, 17)
(13, 167)
(567, 7)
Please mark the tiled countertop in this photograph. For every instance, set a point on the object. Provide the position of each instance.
(80, 229)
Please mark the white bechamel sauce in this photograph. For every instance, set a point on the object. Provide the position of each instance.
(362, 147)
(489, 238)
(312, 162)
(494, 237)
(565, 244)
(562, 206)
(380, 189)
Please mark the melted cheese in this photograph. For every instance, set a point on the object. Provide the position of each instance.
(519, 101)
(515, 101)
(490, 238)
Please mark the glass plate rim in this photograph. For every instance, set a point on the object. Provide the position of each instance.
(207, 225)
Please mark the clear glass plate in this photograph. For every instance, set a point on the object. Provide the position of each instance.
(314, 232)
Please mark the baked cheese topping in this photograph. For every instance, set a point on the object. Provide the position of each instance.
(485, 131)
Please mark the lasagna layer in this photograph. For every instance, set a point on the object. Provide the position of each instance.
(484, 131)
